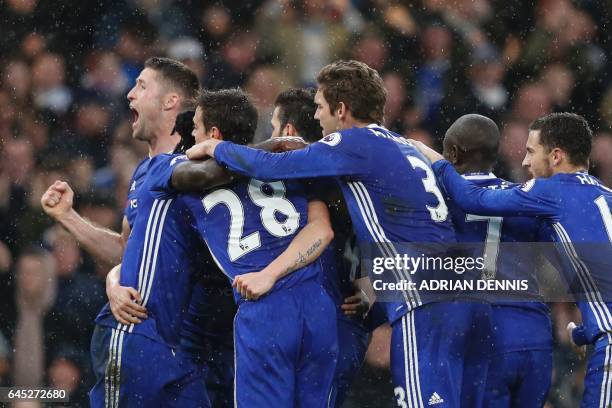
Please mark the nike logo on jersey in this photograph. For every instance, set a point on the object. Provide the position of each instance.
(435, 399)
(133, 186)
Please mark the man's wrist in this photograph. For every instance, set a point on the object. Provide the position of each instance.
(67, 219)
(273, 272)
(213, 147)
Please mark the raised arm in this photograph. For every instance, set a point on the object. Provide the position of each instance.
(518, 201)
(304, 249)
(317, 160)
(198, 175)
(193, 176)
(102, 243)
(528, 200)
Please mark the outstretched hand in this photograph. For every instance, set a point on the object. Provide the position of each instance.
(427, 151)
(289, 143)
(203, 149)
(281, 144)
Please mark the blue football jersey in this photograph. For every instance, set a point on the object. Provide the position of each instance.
(340, 260)
(518, 326)
(160, 261)
(389, 188)
(131, 207)
(246, 225)
(575, 211)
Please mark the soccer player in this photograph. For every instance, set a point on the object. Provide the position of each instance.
(392, 197)
(284, 353)
(294, 116)
(520, 369)
(161, 92)
(575, 210)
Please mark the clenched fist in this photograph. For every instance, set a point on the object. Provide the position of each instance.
(57, 200)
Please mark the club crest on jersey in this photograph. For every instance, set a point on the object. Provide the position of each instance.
(332, 139)
(174, 160)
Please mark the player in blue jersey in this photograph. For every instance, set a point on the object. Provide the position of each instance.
(294, 116)
(392, 197)
(285, 355)
(521, 365)
(574, 208)
(159, 94)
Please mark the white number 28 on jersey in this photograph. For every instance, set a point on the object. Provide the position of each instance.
(438, 213)
(237, 245)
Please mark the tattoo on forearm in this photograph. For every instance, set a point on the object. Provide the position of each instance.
(301, 258)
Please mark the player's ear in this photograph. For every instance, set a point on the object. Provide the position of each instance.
(215, 133)
(289, 130)
(170, 101)
(453, 155)
(342, 110)
(557, 155)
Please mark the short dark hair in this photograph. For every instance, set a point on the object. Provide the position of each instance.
(177, 75)
(183, 125)
(297, 106)
(231, 111)
(478, 139)
(358, 86)
(566, 131)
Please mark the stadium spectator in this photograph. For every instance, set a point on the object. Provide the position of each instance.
(79, 296)
(36, 292)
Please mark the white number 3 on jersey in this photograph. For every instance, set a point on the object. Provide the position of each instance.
(438, 213)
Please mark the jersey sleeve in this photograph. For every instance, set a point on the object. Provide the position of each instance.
(334, 155)
(160, 174)
(529, 199)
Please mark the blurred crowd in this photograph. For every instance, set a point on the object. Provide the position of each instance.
(67, 66)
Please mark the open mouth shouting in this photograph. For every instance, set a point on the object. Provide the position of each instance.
(135, 116)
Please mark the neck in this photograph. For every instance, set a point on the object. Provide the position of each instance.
(465, 168)
(163, 141)
(351, 122)
(568, 168)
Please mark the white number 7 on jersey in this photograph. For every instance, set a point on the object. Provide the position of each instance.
(491, 243)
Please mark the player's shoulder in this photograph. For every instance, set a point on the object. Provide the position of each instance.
(354, 136)
(492, 182)
(165, 160)
(141, 167)
(540, 186)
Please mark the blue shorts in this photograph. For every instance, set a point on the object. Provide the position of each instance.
(519, 379)
(134, 371)
(440, 355)
(352, 346)
(286, 349)
(598, 379)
